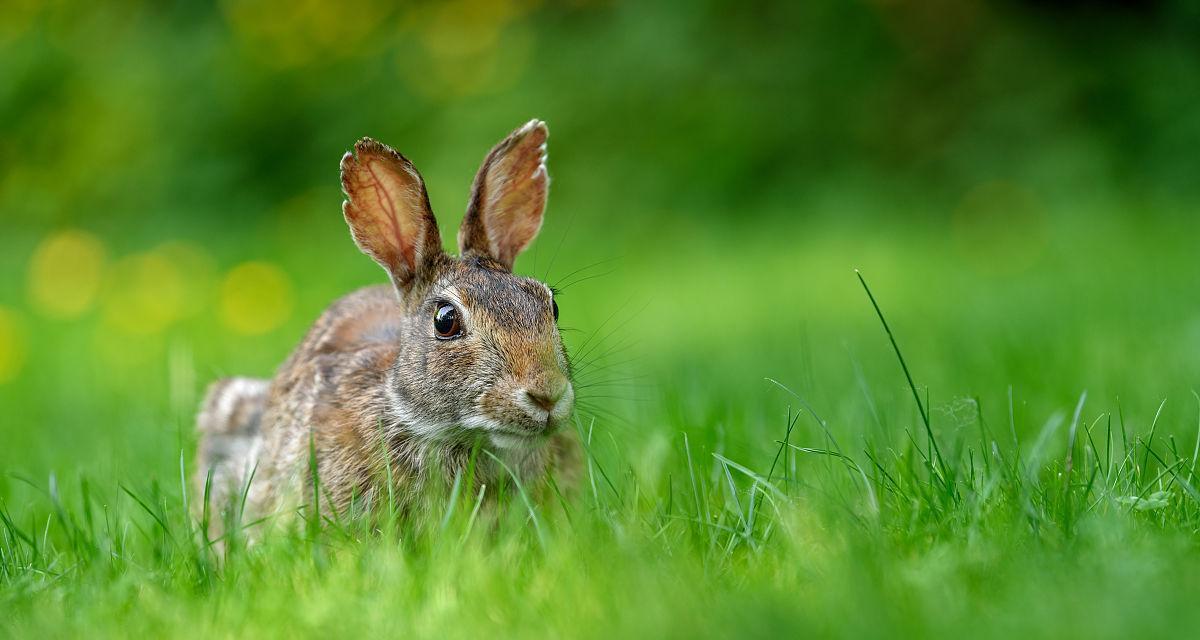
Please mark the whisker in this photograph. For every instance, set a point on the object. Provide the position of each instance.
(592, 410)
(585, 352)
(604, 359)
(595, 332)
(558, 248)
(627, 383)
(561, 287)
(582, 269)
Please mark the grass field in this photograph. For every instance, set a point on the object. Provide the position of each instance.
(1056, 496)
(1014, 180)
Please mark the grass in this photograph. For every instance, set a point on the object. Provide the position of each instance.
(945, 452)
(1013, 454)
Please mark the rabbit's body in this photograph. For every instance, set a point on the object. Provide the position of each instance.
(405, 382)
(230, 426)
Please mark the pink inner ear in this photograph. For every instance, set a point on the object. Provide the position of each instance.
(387, 209)
(516, 186)
(403, 248)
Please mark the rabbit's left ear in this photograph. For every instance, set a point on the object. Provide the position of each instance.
(388, 211)
(508, 197)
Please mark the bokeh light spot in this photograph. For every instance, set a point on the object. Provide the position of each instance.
(16, 16)
(12, 346)
(256, 297)
(289, 33)
(147, 294)
(65, 273)
(197, 271)
(469, 47)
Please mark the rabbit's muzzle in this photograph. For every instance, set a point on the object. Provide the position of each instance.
(528, 409)
(547, 402)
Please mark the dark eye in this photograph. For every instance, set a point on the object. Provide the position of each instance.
(445, 321)
(554, 308)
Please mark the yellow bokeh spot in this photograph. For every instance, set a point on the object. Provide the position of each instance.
(197, 271)
(289, 33)
(469, 47)
(466, 27)
(147, 293)
(65, 273)
(256, 297)
(16, 16)
(12, 346)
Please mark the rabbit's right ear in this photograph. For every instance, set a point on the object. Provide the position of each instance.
(388, 211)
(508, 198)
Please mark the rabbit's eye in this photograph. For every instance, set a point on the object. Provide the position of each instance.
(554, 308)
(445, 322)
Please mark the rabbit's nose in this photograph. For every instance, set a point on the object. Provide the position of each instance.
(544, 400)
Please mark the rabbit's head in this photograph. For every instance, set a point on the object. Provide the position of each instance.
(479, 347)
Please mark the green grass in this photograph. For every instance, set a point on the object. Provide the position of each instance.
(762, 461)
(1022, 202)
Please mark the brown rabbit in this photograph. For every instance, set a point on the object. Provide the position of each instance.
(457, 351)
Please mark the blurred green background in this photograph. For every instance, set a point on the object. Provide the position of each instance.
(1018, 181)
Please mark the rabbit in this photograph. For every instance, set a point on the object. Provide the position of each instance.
(407, 382)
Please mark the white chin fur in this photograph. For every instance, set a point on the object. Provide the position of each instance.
(500, 435)
(512, 442)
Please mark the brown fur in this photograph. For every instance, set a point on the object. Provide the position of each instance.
(372, 387)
